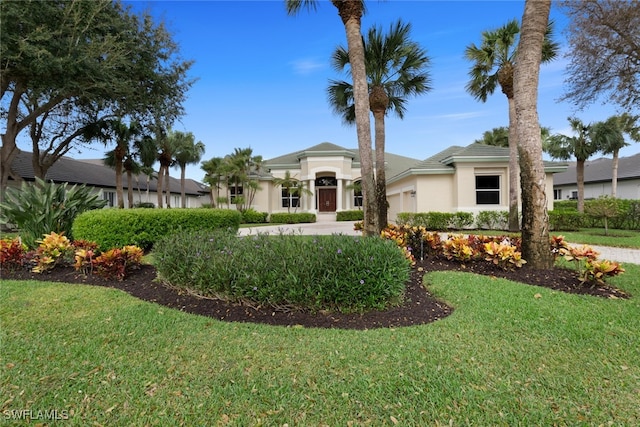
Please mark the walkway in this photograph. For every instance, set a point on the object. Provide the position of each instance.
(346, 227)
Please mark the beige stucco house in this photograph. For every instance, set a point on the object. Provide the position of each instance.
(468, 179)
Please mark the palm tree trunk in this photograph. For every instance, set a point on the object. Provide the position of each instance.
(535, 218)
(119, 191)
(130, 189)
(381, 179)
(351, 13)
(159, 189)
(167, 187)
(614, 173)
(514, 169)
(183, 195)
(580, 180)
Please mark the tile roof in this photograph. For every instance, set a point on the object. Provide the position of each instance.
(93, 173)
(599, 170)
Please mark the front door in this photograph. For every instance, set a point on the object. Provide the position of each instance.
(327, 199)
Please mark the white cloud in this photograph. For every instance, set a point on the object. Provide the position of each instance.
(307, 66)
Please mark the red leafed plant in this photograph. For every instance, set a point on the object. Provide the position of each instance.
(12, 253)
(117, 263)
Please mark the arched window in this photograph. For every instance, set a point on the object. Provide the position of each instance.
(326, 181)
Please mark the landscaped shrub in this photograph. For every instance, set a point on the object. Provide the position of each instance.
(292, 218)
(115, 228)
(492, 220)
(145, 205)
(461, 220)
(435, 221)
(565, 220)
(52, 250)
(354, 215)
(251, 216)
(117, 263)
(335, 272)
(603, 208)
(43, 207)
(12, 253)
(590, 268)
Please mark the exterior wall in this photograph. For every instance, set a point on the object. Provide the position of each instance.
(436, 193)
(402, 197)
(464, 185)
(627, 189)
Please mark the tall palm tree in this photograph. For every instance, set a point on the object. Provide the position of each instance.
(492, 66)
(497, 137)
(188, 152)
(351, 11)
(615, 128)
(396, 69)
(241, 166)
(535, 218)
(122, 134)
(585, 143)
(166, 147)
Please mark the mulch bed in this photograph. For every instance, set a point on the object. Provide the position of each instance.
(420, 306)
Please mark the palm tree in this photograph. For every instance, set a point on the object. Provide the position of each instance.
(396, 69)
(356, 187)
(583, 145)
(615, 127)
(122, 134)
(535, 218)
(188, 152)
(288, 183)
(166, 146)
(497, 137)
(351, 14)
(214, 174)
(241, 165)
(492, 65)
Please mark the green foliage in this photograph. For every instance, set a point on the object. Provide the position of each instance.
(12, 253)
(145, 205)
(590, 268)
(353, 215)
(44, 207)
(114, 228)
(318, 273)
(565, 205)
(492, 220)
(251, 216)
(437, 221)
(292, 218)
(566, 220)
(603, 208)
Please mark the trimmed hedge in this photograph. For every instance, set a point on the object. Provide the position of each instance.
(436, 221)
(355, 215)
(337, 272)
(292, 218)
(251, 216)
(115, 228)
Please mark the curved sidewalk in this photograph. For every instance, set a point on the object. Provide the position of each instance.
(623, 255)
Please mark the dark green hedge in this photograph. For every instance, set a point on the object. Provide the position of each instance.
(114, 228)
(251, 216)
(355, 215)
(436, 221)
(292, 218)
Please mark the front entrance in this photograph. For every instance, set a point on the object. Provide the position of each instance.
(326, 199)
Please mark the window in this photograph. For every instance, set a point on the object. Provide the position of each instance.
(557, 194)
(290, 199)
(326, 181)
(357, 194)
(110, 197)
(574, 195)
(487, 189)
(235, 192)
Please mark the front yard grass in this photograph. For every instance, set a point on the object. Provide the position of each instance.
(586, 236)
(510, 354)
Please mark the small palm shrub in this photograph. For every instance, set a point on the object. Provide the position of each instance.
(44, 207)
(343, 273)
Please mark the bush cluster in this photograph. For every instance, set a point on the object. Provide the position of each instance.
(114, 228)
(621, 214)
(292, 218)
(354, 215)
(251, 216)
(437, 221)
(343, 273)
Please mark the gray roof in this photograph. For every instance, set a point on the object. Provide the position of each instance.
(95, 174)
(600, 170)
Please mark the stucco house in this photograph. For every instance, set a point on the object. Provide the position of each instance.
(597, 179)
(102, 178)
(470, 179)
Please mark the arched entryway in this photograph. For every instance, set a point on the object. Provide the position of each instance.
(326, 193)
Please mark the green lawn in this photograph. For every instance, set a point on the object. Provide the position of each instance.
(509, 355)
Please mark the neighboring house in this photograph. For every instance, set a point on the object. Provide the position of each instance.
(102, 178)
(469, 179)
(597, 179)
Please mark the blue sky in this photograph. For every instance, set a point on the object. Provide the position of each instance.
(262, 76)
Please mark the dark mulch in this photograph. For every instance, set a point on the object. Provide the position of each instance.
(420, 306)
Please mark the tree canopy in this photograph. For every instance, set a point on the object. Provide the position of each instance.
(604, 52)
(97, 58)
